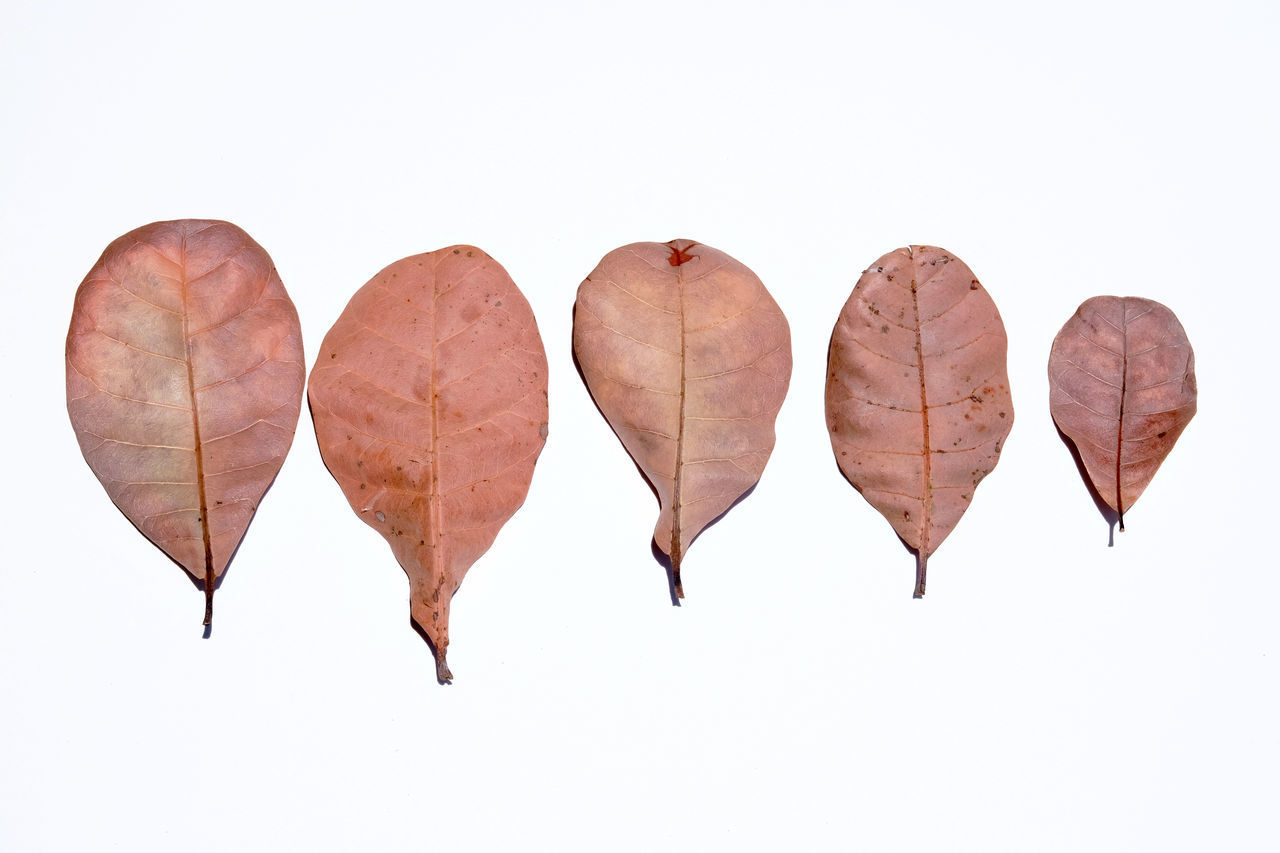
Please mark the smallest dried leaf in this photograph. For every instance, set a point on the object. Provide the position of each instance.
(1122, 388)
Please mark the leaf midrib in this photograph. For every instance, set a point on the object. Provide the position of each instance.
(198, 446)
(676, 554)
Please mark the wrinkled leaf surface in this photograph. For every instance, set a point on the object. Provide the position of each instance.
(184, 382)
(689, 358)
(429, 397)
(1122, 387)
(918, 401)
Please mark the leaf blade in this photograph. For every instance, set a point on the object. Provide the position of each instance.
(689, 358)
(430, 407)
(918, 403)
(184, 384)
(1122, 389)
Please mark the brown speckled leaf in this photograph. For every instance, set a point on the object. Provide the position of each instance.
(1122, 387)
(689, 358)
(184, 381)
(429, 396)
(918, 401)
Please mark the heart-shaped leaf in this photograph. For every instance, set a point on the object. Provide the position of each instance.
(1122, 387)
(184, 382)
(689, 358)
(918, 401)
(429, 396)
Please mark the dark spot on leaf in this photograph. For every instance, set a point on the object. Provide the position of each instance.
(1158, 435)
(973, 285)
(884, 330)
(362, 485)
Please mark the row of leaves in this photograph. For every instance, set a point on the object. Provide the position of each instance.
(185, 376)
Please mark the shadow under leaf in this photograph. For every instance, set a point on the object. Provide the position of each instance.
(1108, 514)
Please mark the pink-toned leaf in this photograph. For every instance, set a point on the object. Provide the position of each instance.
(918, 401)
(184, 382)
(689, 358)
(429, 397)
(1122, 388)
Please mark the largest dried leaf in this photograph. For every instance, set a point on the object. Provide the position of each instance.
(184, 381)
(918, 401)
(429, 397)
(689, 358)
(1122, 387)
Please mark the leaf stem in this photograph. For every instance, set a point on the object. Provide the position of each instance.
(922, 562)
(208, 593)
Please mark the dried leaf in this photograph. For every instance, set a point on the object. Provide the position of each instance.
(429, 397)
(689, 358)
(184, 381)
(1122, 387)
(918, 401)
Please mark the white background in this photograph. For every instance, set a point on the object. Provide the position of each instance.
(1050, 693)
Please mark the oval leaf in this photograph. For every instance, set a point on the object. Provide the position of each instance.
(918, 401)
(184, 382)
(689, 358)
(429, 397)
(1122, 388)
